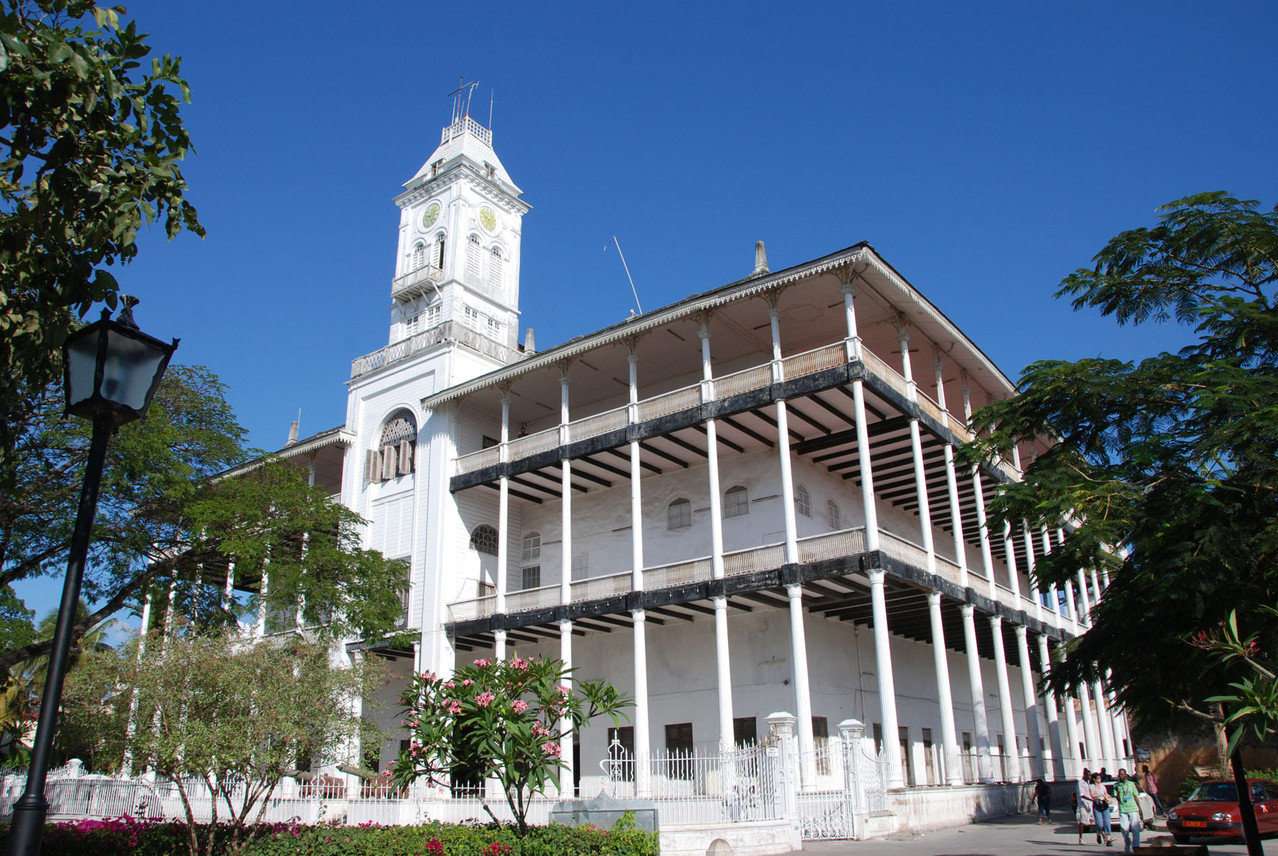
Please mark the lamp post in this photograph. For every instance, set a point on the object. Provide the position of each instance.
(112, 370)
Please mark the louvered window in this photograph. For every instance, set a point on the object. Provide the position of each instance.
(474, 260)
(495, 270)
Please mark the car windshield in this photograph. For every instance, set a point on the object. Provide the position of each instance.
(1215, 792)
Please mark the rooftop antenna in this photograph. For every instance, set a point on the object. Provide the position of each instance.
(470, 91)
(456, 95)
(627, 267)
(492, 99)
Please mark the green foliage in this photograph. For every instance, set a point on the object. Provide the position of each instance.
(91, 138)
(126, 835)
(1163, 471)
(499, 719)
(1253, 702)
(236, 716)
(165, 522)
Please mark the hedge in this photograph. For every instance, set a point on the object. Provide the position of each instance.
(169, 838)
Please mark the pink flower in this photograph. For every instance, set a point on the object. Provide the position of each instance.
(467, 682)
(520, 706)
(484, 699)
(454, 707)
(553, 749)
(519, 663)
(563, 690)
(483, 663)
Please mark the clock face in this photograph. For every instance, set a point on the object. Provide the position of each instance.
(488, 219)
(430, 215)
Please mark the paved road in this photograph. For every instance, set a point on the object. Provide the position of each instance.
(1013, 836)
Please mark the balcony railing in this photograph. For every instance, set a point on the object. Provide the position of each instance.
(827, 546)
(416, 283)
(684, 398)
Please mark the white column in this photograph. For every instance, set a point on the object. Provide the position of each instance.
(1011, 770)
(849, 314)
(983, 531)
(723, 663)
(1033, 736)
(643, 740)
(887, 683)
(1035, 593)
(1091, 730)
(1053, 594)
(949, 734)
(1105, 725)
(956, 515)
(798, 639)
(1071, 603)
(565, 741)
(263, 590)
(565, 583)
(863, 465)
(503, 528)
(980, 721)
(1013, 574)
(1086, 601)
(1058, 770)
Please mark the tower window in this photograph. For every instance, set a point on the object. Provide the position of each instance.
(495, 270)
(678, 514)
(484, 540)
(736, 502)
(395, 452)
(474, 260)
(803, 501)
(439, 250)
(833, 516)
(419, 255)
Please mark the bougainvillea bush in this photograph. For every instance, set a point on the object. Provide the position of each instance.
(498, 719)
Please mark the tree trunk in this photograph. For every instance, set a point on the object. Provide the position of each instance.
(1251, 832)
(1222, 740)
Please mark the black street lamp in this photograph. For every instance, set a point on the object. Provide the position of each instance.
(112, 371)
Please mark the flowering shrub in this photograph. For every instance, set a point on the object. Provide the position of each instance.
(498, 719)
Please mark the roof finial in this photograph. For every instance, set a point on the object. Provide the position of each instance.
(760, 259)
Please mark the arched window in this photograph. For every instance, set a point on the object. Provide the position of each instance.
(833, 517)
(395, 452)
(419, 255)
(532, 547)
(678, 514)
(439, 251)
(495, 270)
(474, 260)
(736, 502)
(803, 501)
(484, 540)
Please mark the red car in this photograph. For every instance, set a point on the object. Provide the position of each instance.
(1212, 811)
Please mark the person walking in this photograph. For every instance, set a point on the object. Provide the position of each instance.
(1131, 818)
(1043, 797)
(1083, 804)
(1101, 810)
(1151, 788)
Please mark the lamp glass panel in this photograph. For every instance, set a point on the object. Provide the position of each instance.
(130, 370)
(82, 360)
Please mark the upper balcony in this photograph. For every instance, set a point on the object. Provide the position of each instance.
(415, 283)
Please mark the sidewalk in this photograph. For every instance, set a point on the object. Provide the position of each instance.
(1009, 836)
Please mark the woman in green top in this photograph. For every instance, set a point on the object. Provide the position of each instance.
(1130, 817)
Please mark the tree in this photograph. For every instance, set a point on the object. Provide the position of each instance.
(90, 145)
(1163, 471)
(500, 719)
(166, 520)
(238, 717)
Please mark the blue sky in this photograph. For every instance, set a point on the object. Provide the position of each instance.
(985, 150)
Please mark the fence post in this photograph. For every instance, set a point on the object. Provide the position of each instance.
(782, 725)
(851, 731)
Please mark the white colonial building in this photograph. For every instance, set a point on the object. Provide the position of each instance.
(743, 503)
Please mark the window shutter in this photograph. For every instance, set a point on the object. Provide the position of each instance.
(388, 463)
(372, 467)
(405, 457)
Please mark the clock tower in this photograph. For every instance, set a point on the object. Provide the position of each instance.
(457, 266)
